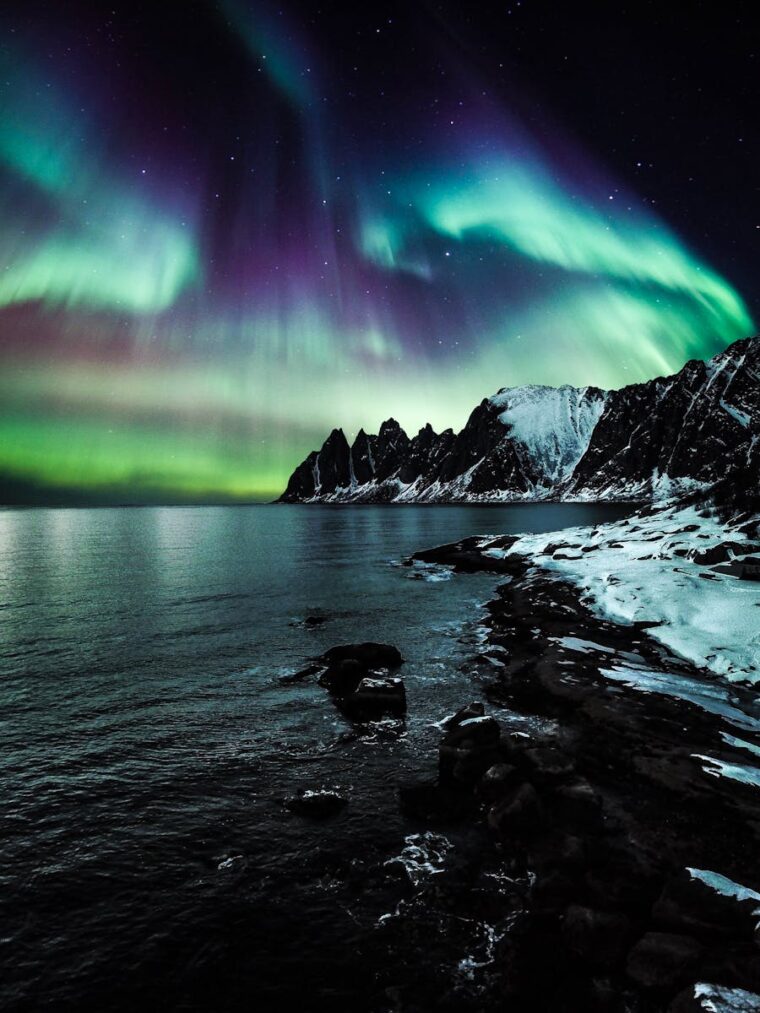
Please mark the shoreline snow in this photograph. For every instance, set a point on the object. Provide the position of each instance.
(642, 570)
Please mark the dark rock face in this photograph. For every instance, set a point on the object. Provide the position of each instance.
(666, 435)
(694, 425)
(322, 473)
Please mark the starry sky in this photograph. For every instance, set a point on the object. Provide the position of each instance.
(226, 227)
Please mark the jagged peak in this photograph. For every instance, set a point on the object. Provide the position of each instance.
(390, 426)
(336, 436)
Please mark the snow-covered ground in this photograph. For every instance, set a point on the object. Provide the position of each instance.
(640, 569)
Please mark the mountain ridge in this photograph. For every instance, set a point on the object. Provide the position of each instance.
(648, 440)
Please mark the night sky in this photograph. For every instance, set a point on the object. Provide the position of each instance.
(227, 227)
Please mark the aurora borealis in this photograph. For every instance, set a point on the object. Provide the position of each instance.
(228, 227)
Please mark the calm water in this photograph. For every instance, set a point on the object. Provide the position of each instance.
(146, 857)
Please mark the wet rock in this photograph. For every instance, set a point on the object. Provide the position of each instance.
(356, 675)
(301, 675)
(342, 677)
(662, 960)
(597, 937)
(468, 748)
(369, 655)
(318, 805)
(470, 710)
(519, 813)
(375, 697)
(312, 621)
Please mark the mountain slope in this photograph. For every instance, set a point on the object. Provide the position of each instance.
(643, 441)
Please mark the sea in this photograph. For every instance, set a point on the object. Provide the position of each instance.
(151, 742)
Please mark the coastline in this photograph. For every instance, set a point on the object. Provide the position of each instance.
(639, 774)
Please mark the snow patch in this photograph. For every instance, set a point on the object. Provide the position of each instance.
(635, 575)
(553, 424)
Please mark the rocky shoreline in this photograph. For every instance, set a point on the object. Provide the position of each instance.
(612, 837)
(608, 810)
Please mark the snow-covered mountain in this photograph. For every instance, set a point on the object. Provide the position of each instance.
(647, 440)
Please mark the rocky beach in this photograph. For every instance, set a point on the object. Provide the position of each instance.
(611, 840)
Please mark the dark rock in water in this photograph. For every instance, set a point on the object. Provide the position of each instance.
(370, 655)
(304, 673)
(374, 698)
(596, 937)
(319, 805)
(662, 960)
(312, 621)
(343, 677)
(473, 733)
(470, 710)
(520, 813)
(469, 747)
(356, 675)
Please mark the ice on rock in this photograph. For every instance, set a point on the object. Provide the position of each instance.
(554, 424)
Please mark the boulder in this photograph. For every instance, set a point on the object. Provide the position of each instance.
(720, 553)
(318, 805)
(356, 675)
(663, 960)
(342, 677)
(300, 676)
(470, 710)
(370, 655)
(518, 814)
(597, 937)
(374, 698)
(469, 748)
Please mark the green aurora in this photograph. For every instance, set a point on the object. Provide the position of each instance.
(142, 358)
